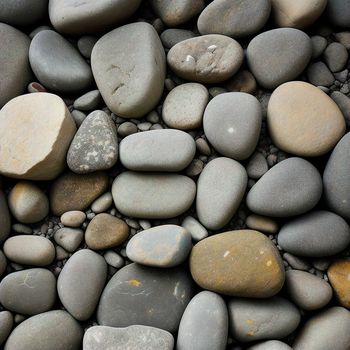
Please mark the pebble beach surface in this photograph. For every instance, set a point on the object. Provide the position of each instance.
(174, 175)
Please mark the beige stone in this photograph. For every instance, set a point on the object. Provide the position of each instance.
(303, 120)
(262, 223)
(35, 133)
(339, 277)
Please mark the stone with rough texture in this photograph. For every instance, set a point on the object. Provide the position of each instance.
(29, 250)
(157, 150)
(50, 330)
(232, 123)
(145, 296)
(95, 145)
(160, 246)
(204, 324)
(76, 192)
(69, 238)
(24, 154)
(153, 195)
(278, 55)
(128, 64)
(132, 337)
(236, 18)
(57, 64)
(220, 190)
(223, 263)
(206, 59)
(28, 292)
(15, 73)
(5, 218)
(80, 17)
(184, 106)
(106, 231)
(327, 330)
(270, 345)
(339, 276)
(292, 187)
(315, 234)
(338, 11)
(273, 318)
(81, 282)
(6, 324)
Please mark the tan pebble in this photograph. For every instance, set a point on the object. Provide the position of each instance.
(262, 223)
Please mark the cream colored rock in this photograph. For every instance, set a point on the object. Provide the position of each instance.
(303, 120)
(35, 133)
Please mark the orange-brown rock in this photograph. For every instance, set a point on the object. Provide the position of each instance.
(339, 277)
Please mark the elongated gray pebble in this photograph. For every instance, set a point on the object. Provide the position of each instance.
(195, 228)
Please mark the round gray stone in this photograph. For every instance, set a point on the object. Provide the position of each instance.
(204, 324)
(129, 67)
(338, 11)
(88, 101)
(232, 123)
(157, 150)
(5, 218)
(172, 36)
(278, 55)
(57, 64)
(318, 74)
(132, 337)
(49, 330)
(292, 187)
(220, 190)
(95, 145)
(145, 296)
(126, 129)
(153, 195)
(6, 324)
(255, 319)
(160, 246)
(81, 282)
(271, 345)
(336, 56)
(69, 238)
(28, 292)
(315, 234)
(257, 166)
(234, 18)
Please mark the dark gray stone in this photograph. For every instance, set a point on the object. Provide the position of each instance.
(172, 36)
(3, 263)
(318, 74)
(88, 101)
(319, 43)
(336, 56)
(5, 218)
(338, 12)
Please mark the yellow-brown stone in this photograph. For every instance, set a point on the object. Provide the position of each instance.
(339, 277)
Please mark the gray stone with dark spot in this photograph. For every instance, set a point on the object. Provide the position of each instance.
(145, 296)
(6, 323)
(95, 145)
(5, 218)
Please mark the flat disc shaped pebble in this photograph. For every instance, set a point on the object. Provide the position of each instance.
(58, 64)
(316, 234)
(278, 55)
(157, 150)
(292, 187)
(145, 296)
(238, 263)
(303, 120)
(153, 195)
(220, 189)
(232, 123)
(206, 59)
(234, 18)
(129, 67)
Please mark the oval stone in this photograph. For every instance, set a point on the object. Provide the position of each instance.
(232, 123)
(29, 250)
(6, 324)
(220, 189)
(160, 246)
(204, 324)
(234, 18)
(273, 318)
(49, 55)
(80, 283)
(303, 120)
(292, 187)
(336, 178)
(339, 276)
(270, 345)
(223, 263)
(278, 55)
(157, 150)
(153, 196)
(49, 330)
(316, 234)
(206, 59)
(128, 64)
(145, 296)
(28, 292)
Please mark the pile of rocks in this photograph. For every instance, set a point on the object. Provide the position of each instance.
(175, 174)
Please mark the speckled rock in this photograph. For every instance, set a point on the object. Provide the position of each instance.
(230, 254)
(273, 318)
(69, 238)
(291, 187)
(6, 324)
(339, 277)
(95, 145)
(5, 218)
(206, 59)
(220, 190)
(338, 11)
(146, 296)
(130, 87)
(270, 345)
